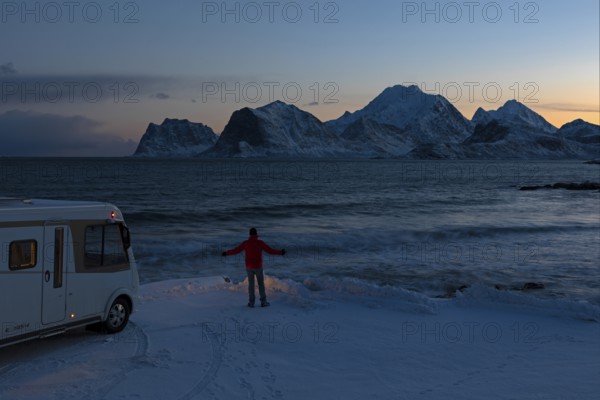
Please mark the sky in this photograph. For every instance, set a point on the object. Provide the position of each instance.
(86, 78)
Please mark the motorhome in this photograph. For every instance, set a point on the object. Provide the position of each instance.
(64, 264)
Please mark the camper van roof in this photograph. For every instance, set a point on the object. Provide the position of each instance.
(35, 203)
(14, 209)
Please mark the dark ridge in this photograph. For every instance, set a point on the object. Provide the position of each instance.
(567, 186)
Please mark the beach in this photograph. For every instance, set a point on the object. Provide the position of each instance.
(196, 339)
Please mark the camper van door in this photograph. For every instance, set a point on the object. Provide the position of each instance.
(54, 273)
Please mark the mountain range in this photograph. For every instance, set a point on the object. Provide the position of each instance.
(402, 122)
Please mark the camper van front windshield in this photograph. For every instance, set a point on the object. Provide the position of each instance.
(104, 246)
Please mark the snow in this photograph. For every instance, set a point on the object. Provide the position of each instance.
(423, 117)
(400, 122)
(517, 113)
(481, 117)
(176, 138)
(397, 106)
(195, 339)
(277, 129)
(582, 132)
(514, 131)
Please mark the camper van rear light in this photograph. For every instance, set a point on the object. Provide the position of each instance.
(113, 215)
(72, 316)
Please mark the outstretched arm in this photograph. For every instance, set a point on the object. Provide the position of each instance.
(235, 251)
(271, 250)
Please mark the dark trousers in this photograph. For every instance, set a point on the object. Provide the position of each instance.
(260, 278)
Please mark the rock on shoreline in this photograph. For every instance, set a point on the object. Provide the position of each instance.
(567, 186)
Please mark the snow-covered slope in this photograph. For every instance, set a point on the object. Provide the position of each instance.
(276, 130)
(372, 139)
(517, 116)
(514, 131)
(175, 138)
(416, 118)
(581, 131)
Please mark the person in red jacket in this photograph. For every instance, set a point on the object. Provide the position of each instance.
(254, 264)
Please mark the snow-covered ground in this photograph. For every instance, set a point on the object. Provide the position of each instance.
(196, 339)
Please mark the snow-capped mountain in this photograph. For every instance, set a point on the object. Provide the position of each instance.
(516, 131)
(515, 115)
(581, 131)
(276, 130)
(176, 138)
(512, 131)
(400, 122)
(416, 117)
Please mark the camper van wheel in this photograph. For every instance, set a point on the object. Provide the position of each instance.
(118, 316)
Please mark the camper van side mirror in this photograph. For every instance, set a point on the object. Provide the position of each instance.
(126, 237)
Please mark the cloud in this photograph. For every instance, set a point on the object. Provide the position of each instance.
(162, 96)
(312, 104)
(29, 90)
(32, 134)
(570, 107)
(7, 69)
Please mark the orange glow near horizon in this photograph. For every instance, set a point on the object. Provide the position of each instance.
(556, 117)
(560, 118)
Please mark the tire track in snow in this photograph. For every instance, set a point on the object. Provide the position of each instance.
(14, 372)
(7, 373)
(216, 359)
(10, 373)
(135, 362)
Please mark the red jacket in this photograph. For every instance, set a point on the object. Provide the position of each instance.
(254, 249)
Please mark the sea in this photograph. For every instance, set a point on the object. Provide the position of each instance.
(426, 226)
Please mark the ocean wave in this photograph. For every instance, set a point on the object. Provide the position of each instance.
(347, 239)
(275, 211)
(382, 258)
(481, 232)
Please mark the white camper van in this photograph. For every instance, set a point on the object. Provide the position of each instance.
(64, 264)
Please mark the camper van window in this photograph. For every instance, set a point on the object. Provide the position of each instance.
(22, 254)
(104, 246)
